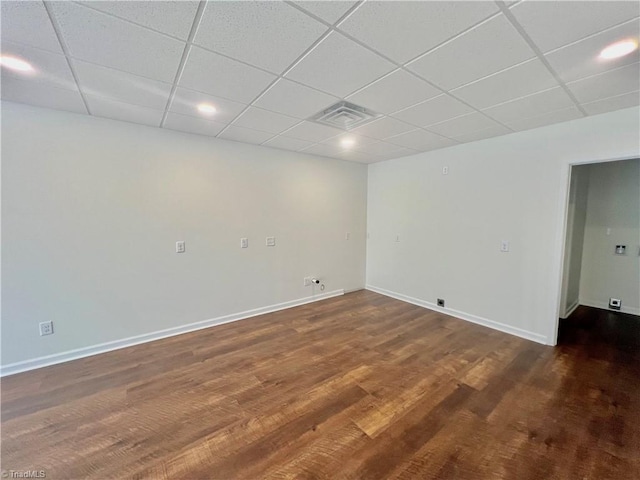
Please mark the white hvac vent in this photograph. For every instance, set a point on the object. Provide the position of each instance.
(344, 115)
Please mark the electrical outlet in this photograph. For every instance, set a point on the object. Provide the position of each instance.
(441, 302)
(347, 235)
(46, 328)
(445, 170)
(307, 281)
(270, 241)
(504, 246)
(180, 247)
(244, 243)
(615, 303)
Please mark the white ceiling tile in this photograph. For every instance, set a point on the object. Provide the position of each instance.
(189, 124)
(323, 150)
(329, 11)
(382, 148)
(389, 156)
(582, 59)
(28, 23)
(404, 30)
(420, 140)
(49, 68)
(245, 135)
(546, 119)
(264, 120)
(103, 107)
(287, 143)
(358, 141)
(339, 66)
(531, 105)
(105, 40)
(608, 84)
(433, 111)
(294, 99)
(173, 18)
(482, 134)
(383, 127)
(613, 103)
(488, 48)
(121, 86)
(394, 92)
(464, 124)
(217, 75)
(186, 102)
(270, 35)
(355, 156)
(554, 24)
(524, 79)
(42, 95)
(312, 132)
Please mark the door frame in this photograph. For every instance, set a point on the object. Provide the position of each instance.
(565, 186)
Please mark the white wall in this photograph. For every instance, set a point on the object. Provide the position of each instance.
(576, 219)
(614, 204)
(506, 188)
(92, 208)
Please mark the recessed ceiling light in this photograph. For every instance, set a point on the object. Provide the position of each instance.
(347, 142)
(15, 63)
(619, 49)
(207, 108)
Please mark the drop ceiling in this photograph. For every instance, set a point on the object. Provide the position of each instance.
(437, 73)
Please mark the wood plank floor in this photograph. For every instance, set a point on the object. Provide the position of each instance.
(355, 387)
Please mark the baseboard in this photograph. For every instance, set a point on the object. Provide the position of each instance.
(48, 360)
(571, 309)
(518, 332)
(605, 306)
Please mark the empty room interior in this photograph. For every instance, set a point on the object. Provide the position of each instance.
(320, 239)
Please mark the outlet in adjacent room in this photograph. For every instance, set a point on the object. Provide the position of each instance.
(180, 246)
(441, 302)
(244, 243)
(271, 241)
(46, 328)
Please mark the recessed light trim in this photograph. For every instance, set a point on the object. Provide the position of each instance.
(207, 109)
(347, 142)
(619, 49)
(15, 64)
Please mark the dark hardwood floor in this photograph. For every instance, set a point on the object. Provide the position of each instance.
(355, 387)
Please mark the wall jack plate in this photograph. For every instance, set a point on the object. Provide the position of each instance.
(46, 328)
(615, 303)
(441, 302)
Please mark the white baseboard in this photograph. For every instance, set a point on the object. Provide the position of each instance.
(54, 359)
(571, 309)
(465, 316)
(605, 306)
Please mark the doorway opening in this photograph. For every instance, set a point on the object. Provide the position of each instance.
(600, 294)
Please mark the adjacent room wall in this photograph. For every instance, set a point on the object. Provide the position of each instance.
(92, 208)
(613, 218)
(576, 218)
(450, 227)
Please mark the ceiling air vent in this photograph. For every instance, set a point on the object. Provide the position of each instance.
(344, 115)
